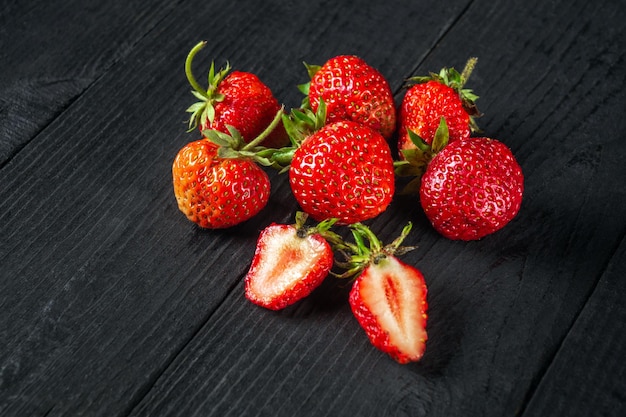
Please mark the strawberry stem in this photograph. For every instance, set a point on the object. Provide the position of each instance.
(188, 72)
(256, 141)
(467, 71)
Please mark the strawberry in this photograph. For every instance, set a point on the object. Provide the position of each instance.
(388, 298)
(217, 180)
(344, 170)
(239, 99)
(430, 99)
(289, 262)
(352, 90)
(472, 188)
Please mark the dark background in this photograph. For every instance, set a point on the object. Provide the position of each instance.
(113, 304)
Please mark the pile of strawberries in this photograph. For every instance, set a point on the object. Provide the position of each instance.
(336, 151)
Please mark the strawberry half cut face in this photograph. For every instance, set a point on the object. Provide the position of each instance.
(389, 301)
(288, 265)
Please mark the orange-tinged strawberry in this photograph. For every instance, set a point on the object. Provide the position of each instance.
(238, 99)
(217, 180)
(352, 90)
(289, 262)
(216, 192)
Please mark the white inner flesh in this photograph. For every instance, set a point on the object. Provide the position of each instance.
(287, 258)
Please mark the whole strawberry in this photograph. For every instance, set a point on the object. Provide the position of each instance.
(472, 188)
(343, 170)
(352, 90)
(239, 99)
(217, 180)
(289, 262)
(430, 99)
(388, 298)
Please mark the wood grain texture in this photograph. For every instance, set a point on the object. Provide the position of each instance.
(113, 304)
(593, 351)
(53, 51)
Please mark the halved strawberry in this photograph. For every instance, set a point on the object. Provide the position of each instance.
(389, 301)
(289, 262)
(388, 298)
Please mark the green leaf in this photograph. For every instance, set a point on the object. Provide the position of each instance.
(225, 152)
(453, 79)
(200, 96)
(420, 79)
(216, 78)
(221, 139)
(209, 113)
(418, 141)
(237, 140)
(302, 116)
(320, 115)
(263, 161)
(443, 75)
(247, 154)
(468, 94)
(304, 88)
(196, 107)
(441, 136)
(312, 69)
(211, 77)
(293, 130)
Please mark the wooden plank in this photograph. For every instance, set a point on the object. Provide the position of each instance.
(593, 352)
(112, 304)
(53, 51)
(103, 281)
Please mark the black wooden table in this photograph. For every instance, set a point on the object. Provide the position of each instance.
(113, 304)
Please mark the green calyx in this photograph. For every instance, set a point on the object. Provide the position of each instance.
(302, 123)
(368, 249)
(233, 145)
(204, 110)
(299, 125)
(456, 80)
(322, 228)
(304, 88)
(416, 160)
